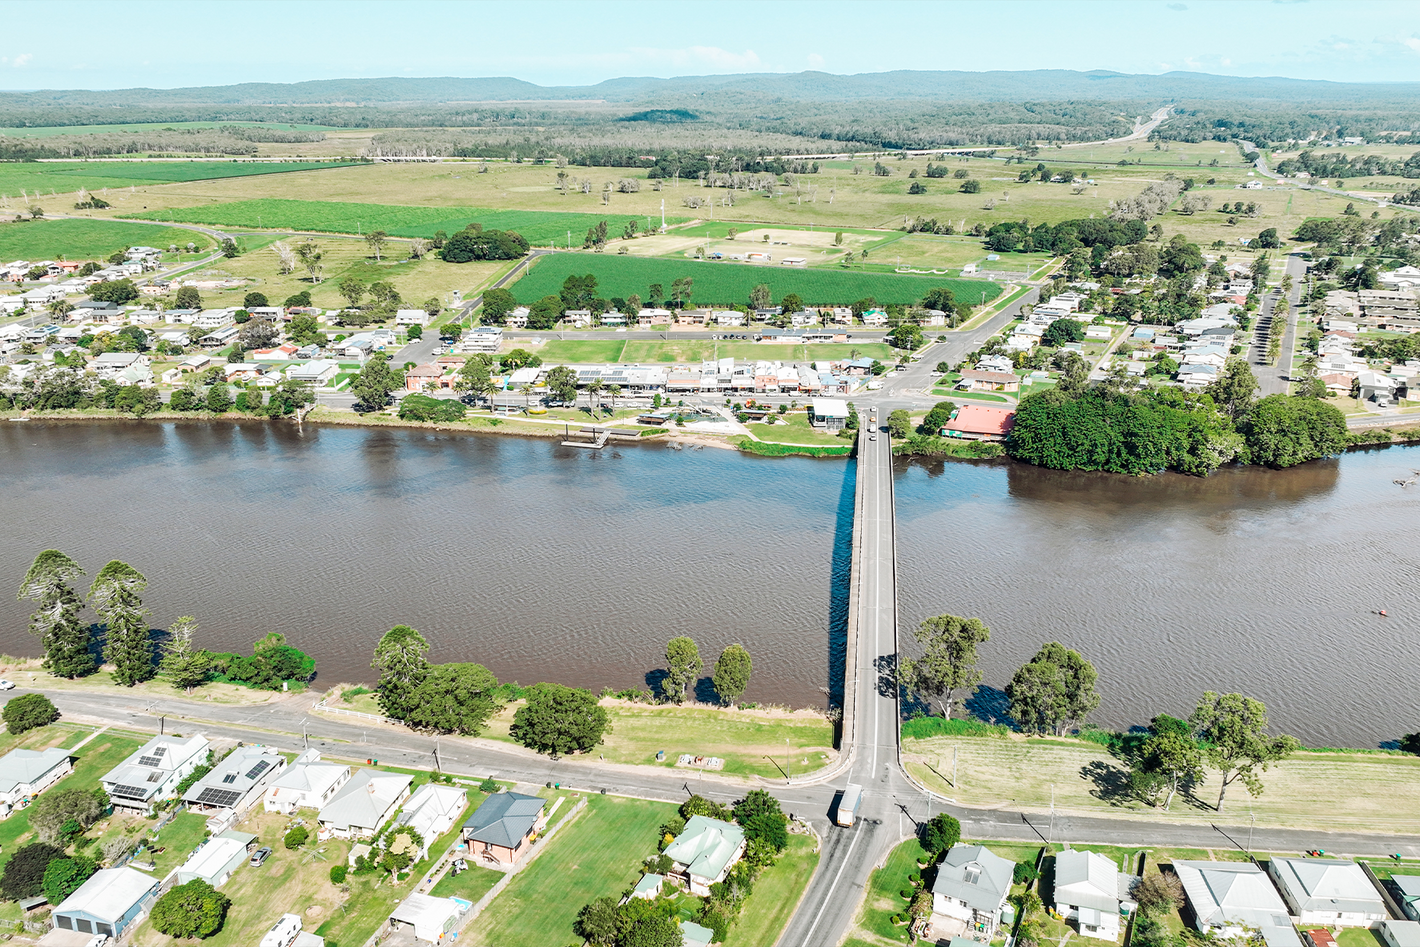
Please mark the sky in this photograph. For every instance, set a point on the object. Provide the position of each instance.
(59, 44)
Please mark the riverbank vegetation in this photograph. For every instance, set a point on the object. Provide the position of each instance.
(1107, 428)
(123, 637)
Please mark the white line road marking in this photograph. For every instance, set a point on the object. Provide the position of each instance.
(828, 898)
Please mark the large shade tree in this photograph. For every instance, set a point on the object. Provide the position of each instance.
(1233, 731)
(400, 659)
(1054, 691)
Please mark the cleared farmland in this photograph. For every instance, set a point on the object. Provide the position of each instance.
(86, 239)
(39, 178)
(729, 284)
(541, 228)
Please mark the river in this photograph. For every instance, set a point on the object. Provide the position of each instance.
(546, 562)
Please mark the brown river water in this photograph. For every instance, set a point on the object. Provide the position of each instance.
(554, 563)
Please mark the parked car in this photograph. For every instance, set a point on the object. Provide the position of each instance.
(260, 855)
(6, 685)
(98, 940)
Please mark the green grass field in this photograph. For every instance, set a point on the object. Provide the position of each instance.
(794, 428)
(751, 742)
(597, 855)
(882, 900)
(775, 896)
(540, 228)
(86, 239)
(63, 177)
(730, 283)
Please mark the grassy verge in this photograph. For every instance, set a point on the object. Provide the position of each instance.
(763, 449)
(873, 925)
(923, 446)
(26, 672)
(597, 855)
(1382, 789)
(751, 742)
(776, 894)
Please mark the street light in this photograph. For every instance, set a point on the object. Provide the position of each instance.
(786, 760)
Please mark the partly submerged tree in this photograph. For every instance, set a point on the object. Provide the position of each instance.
(683, 666)
(1054, 691)
(732, 671)
(50, 582)
(949, 664)
(117, 596)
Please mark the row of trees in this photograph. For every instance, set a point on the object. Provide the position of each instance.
(683, 667)
(116, 596)
(1055, 692)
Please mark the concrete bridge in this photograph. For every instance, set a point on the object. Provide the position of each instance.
(891, 804)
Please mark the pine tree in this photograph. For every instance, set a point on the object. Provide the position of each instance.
(184, 665)
(56, 620)
(116, 596)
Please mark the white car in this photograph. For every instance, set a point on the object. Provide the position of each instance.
(98, 940)
(6, 685)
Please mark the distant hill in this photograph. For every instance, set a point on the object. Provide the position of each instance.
(1040, 84)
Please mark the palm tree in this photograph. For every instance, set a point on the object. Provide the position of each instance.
(594, 390)
(613, 390)
(527, 395)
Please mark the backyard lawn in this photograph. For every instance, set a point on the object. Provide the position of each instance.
(598, 854)
(94, 759)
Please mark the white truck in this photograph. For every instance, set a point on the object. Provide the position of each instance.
(848, 805)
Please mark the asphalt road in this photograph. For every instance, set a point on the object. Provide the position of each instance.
(1273, 379)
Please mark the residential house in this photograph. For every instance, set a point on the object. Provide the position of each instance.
(307, 783)
(25, 774)
(111, 902)
(1021, 343)
(412, 317)
(1229, 899)
(874, 317)
(693, 934)
(841, 315)
(364, 803)
(236, 782)
(210, 318)
(427, 377)
(481, 339)
(578, 318)
(692, 317)
(175, 337)
(996, 363)
(430, 919)
(431, 812)
(518, 318)
(179, 316)
(501, 829)
(650, 317)
(1409, 888)
(1404, 279)
(976, 422)
(1195, 376)
(217, 859)
(613, 318)
(729, 317)
(1092, 892)
(112, 364)
(195, 363)
(242, 371)
(973, 380)
(804, 317)
(1400, 933)
(704, 852)
(219, 338)
(1098, 333)
(153, 771)
(318, 372)
(970, 890)
(1330, 892)
(281, 353)
(1377, 387)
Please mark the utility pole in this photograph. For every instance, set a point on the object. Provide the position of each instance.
(1252, 821)
(786, 761)
(1050, 834)
(954, 767)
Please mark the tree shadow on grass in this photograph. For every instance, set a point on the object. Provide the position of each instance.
(1111, 782)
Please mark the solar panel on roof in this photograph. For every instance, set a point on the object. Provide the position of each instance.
(218, 797)
(159, 750)
(149, 760)
(256, 771)
(129, 792)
